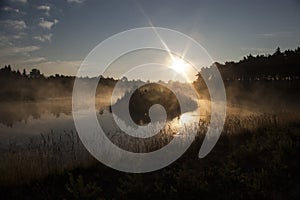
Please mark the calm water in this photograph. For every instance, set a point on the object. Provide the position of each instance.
(20, 121)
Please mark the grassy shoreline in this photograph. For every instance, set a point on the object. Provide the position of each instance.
(249, 164)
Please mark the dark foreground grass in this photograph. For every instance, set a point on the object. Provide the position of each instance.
(260, 164)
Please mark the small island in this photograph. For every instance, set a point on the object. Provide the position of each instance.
(141, 100)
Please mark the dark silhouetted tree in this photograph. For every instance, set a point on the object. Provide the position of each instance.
(35, 74)
(24, 72)
(277, 52)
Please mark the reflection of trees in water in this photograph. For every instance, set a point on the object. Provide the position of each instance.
(12, 113)
(141, 100)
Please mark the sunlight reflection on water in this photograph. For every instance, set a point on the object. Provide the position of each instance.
(20, 128)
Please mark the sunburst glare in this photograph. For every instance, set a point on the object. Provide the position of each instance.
(179, 65)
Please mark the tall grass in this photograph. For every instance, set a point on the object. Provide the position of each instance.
(56, 153)
(41, 156)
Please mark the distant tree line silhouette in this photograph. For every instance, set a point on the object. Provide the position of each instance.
(273, 79)
(274, 73)
(278, 66)
(35, 85)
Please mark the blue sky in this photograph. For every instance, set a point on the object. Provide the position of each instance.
(55, 36)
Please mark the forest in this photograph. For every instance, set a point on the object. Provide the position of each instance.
(277, 74)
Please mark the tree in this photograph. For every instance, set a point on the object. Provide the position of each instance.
(124, 79)
(277, 52)
(35, 73)
(24, 72)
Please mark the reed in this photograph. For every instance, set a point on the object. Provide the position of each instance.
(56, 153)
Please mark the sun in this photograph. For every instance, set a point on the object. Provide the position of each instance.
(179, 65)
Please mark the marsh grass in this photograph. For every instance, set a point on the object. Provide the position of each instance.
(251, 151)
(42, 156)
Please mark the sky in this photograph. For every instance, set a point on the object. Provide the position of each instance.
(56, 36)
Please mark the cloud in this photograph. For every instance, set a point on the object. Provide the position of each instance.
(14, 24)
(75, 1)
(20, 35)
(44, 38)
(25, 49)
(19, 1)
(44, 8)
(47, 24)
(266, 34)
(23, 61)
(9, 9)
(33, 60)
(277, 34)
(257, 50)
(11, 50)
(7, 40)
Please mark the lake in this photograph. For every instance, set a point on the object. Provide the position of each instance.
(21, 121)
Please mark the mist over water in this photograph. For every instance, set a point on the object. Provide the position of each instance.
(21, 120)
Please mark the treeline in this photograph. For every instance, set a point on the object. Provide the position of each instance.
(279, 66)
(268, 80)
(277, 74)
(35, 85)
